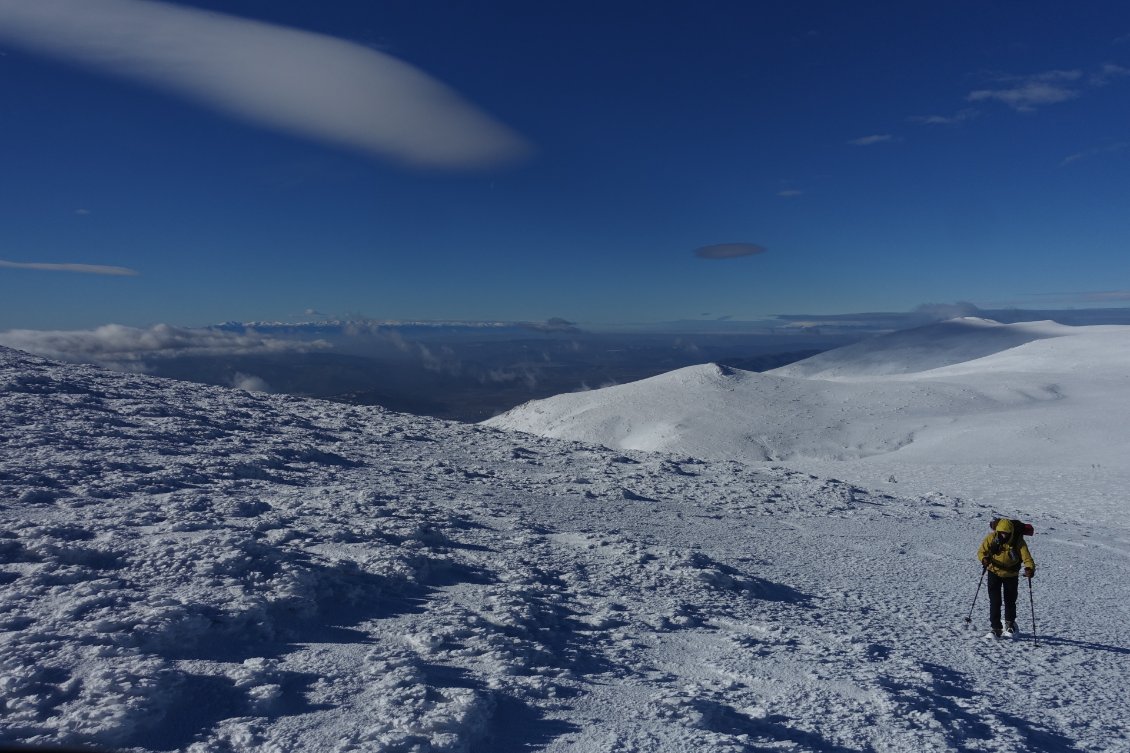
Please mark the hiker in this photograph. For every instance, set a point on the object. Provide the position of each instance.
(1001, 554)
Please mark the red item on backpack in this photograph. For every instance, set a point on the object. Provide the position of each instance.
(1025, 529)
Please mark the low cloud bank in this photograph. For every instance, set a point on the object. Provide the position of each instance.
(881, 321)
(127, 348)
(294, 81)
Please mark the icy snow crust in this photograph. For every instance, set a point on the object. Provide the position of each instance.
(1028, 416)
(193, 568)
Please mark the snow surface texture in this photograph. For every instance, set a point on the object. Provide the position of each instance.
(1028, 416)
(192, 568)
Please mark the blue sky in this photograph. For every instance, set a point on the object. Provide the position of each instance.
(883, 155)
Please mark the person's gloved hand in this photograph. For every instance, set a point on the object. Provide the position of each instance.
(1029, 572)
(985, 560)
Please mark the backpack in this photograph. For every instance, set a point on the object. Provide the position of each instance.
(1020, 529)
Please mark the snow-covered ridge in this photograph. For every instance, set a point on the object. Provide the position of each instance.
(1035, 415)
(193, 568)
(922, 349)
(959, 391)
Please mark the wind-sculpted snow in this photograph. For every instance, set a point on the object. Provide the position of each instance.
(191, 568)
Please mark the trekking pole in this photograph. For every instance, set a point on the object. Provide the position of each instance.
(984, 569)
(1032, 603)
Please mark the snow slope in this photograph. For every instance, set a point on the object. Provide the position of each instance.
(193, 568)
(923, 348)
(1031, 413)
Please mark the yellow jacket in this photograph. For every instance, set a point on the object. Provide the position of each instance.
(1005, 562)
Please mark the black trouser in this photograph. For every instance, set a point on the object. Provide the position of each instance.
(1009, 587)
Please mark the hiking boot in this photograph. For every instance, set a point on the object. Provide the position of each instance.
(1011, 627)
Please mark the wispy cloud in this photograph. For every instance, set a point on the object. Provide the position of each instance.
(961, 116)
(790, 193)
(728, 250)
(249, 383)
(1028, 93)
(1108, 73)
(127, 348)
(1115, 148)
(89, 269)
(504, 375)
(289, 80)
(878, 138)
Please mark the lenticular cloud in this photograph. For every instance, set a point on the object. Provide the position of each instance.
(89, 269)
(295, 81)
